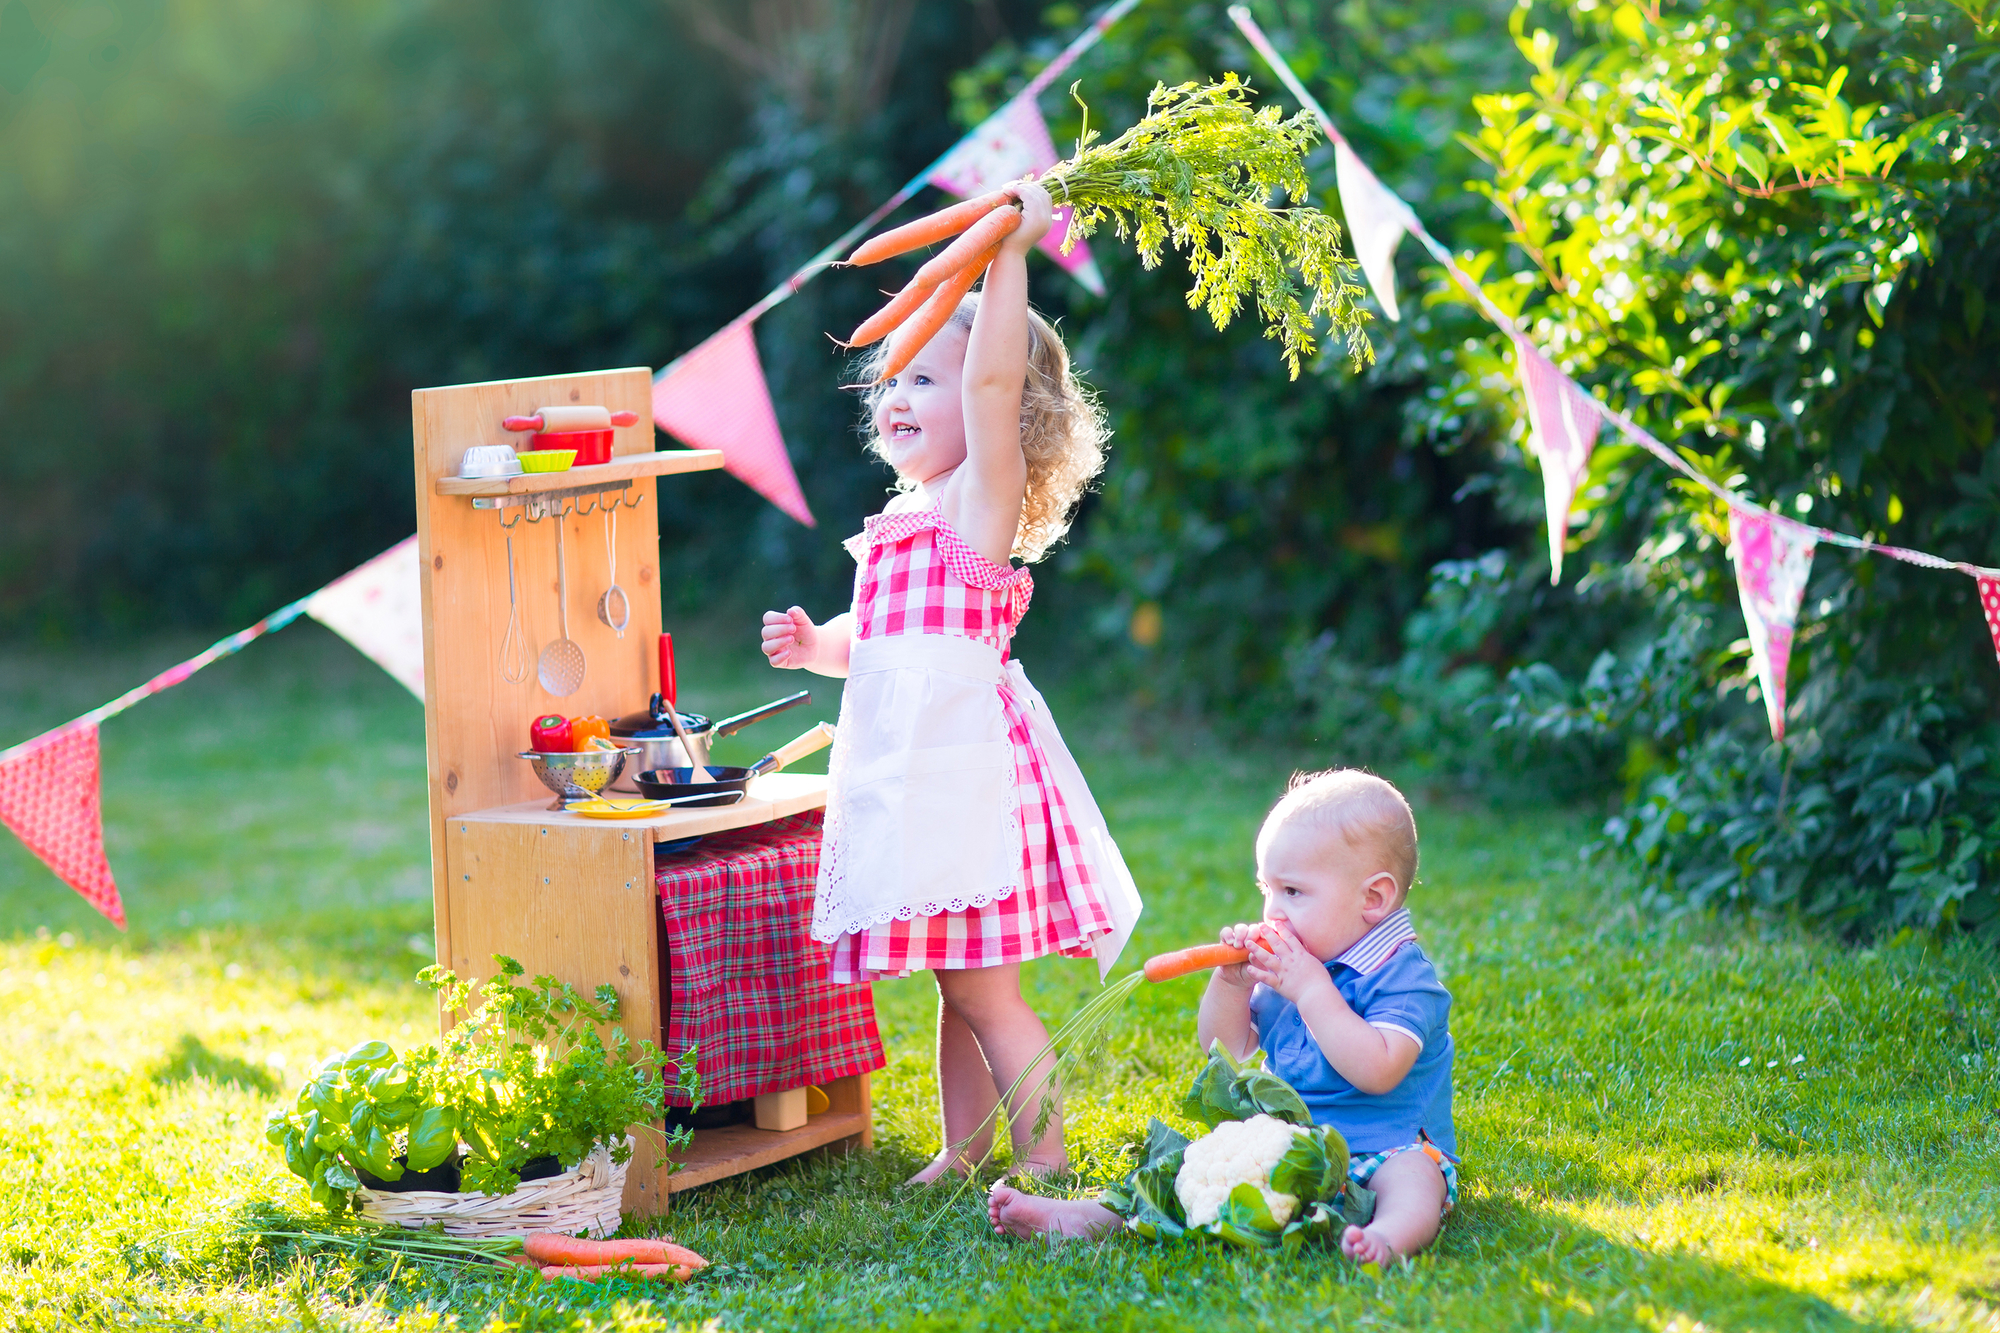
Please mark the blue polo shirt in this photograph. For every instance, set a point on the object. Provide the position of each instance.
(1386, 979)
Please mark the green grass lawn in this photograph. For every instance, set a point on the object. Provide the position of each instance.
(1667, 1125)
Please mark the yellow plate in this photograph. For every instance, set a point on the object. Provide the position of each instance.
(619, 809)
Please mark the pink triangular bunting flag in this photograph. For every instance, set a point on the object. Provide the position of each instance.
(1376, 221)
(1989, 602)
(48, 796)
(1773, 555)
(378, 607)
(1563, 422)
(715, 398)
(1009, 144)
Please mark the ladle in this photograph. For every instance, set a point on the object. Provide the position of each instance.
(614, 608)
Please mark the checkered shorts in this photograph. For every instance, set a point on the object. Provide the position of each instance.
(1361, 1169)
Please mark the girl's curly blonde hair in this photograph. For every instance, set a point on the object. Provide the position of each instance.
(1062, 431)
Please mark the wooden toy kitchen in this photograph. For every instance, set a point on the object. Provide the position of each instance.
(695, 912)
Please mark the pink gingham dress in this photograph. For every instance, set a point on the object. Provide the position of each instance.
(918, 577)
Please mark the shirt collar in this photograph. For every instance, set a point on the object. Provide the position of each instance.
(1372, 950)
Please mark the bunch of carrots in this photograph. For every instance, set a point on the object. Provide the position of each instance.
(590, 1260)
(1200, 171)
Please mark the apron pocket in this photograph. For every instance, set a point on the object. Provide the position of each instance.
(941, 816)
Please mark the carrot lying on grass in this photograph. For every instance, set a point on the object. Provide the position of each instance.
(910, 339)
(597, 1272)
(1179, 963)
(926, 230)
(981, 236)
(546, 1247)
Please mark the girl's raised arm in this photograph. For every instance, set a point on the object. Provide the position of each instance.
(993, 484)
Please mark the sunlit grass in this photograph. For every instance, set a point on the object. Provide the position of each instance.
(1666, 1124)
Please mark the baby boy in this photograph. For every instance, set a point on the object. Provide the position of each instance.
(1344, 1005)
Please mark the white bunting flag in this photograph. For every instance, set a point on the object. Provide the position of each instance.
(1563, 422)
(1012, 142)
(1773, 555)
(1376, 221)
(379, 608)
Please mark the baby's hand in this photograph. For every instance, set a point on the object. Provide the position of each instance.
(791, 640)
(1239, 936)
(1287, 967)
(1036, 216)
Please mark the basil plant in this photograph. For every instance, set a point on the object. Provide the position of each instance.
(348, 1117)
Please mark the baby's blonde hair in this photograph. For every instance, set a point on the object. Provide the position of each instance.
(1365, 810)
(1062, 431)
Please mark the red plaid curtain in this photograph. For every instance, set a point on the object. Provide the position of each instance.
(746, 981)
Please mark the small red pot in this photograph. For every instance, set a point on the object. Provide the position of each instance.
(592, 446)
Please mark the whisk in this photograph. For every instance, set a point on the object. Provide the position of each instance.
(514, 664)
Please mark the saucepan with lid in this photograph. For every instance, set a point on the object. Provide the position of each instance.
(652, 731)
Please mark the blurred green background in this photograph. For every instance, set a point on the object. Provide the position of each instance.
(233, 237)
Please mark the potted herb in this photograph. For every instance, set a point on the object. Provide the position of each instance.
(523, 1076)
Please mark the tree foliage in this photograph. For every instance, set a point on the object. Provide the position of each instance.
(1765, 231)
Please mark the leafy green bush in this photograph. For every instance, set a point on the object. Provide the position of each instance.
(1791, 287)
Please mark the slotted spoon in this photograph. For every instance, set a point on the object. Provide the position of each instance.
(562, 665)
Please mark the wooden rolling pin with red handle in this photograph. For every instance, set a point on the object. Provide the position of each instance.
(553, 419)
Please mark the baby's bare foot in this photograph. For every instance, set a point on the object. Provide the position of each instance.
(1029, 1215)
(939, 1165)
(1365, 1247)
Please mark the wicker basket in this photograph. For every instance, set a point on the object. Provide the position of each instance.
(584, 1198)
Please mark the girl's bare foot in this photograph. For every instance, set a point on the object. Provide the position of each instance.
(1041, 1168)
(939, 1165)
(1365, 1247)
(1028, 1215)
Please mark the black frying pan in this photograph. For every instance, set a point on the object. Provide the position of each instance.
(727, 784)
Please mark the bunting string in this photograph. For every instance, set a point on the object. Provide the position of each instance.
(1772, 553)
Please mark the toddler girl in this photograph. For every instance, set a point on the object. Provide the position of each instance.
(960, 836)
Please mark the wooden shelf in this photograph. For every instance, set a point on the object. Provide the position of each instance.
(625, 467)
(770, 797)
(719, 1153)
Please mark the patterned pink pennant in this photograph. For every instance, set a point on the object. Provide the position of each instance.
(378, 607)
(715, 398)
(1376, 221)
(48, 796)
(1989, 601)
(1563, 422)
(1011, 143)
(1773, 556)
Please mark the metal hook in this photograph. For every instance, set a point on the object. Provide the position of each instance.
(635, 499)
(595, 502)
(504, 524)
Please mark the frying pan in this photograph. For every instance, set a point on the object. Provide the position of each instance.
(729, 783)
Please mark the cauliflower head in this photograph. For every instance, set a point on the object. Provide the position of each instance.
(1235, 1152)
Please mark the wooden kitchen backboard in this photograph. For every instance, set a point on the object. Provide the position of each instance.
(475, 723)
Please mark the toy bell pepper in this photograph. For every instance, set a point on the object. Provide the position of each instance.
(581, 729)
(549, 734)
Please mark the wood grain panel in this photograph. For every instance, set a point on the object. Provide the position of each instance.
(667, 462)
(475, 722)
(579, 904)
(770, 797)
